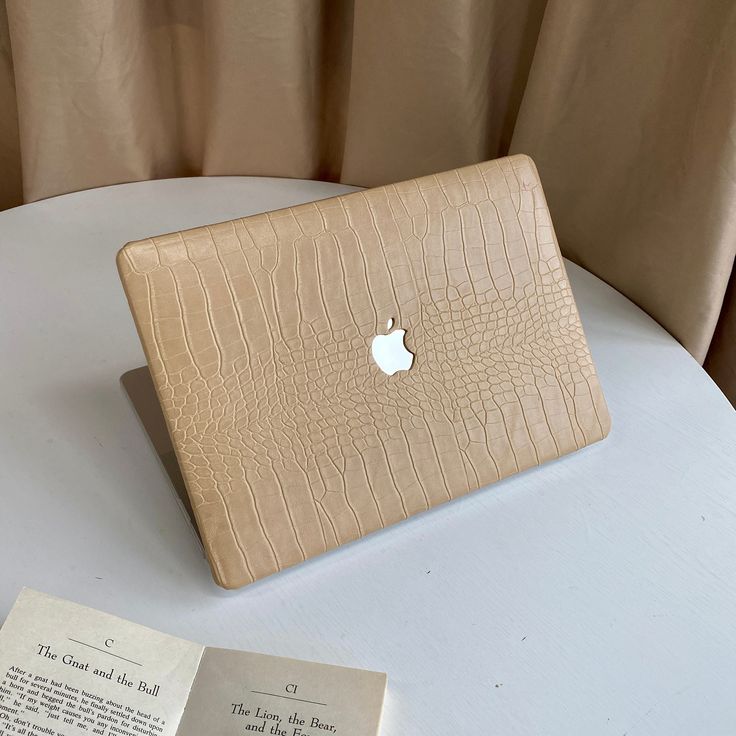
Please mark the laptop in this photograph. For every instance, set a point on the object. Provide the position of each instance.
(331, 369)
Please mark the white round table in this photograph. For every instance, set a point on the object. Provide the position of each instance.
(594, 595)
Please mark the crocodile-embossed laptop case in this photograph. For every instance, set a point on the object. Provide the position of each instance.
(296, 431)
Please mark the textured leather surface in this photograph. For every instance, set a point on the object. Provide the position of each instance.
(257, 333)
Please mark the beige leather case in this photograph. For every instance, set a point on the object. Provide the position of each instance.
(258, 333)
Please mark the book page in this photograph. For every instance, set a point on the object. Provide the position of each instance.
(68, 670)
(243, 693)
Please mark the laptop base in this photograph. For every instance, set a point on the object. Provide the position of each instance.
(138, 385)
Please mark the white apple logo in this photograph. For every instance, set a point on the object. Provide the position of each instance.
(389, 351)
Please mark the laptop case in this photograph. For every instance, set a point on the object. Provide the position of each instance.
(295, 426)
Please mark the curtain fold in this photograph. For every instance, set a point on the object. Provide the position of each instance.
(11, 183)
(628, 108)
(636, 144)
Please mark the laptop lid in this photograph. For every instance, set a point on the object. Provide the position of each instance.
(330, 369)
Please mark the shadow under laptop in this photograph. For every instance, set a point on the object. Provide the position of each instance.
(133, 529)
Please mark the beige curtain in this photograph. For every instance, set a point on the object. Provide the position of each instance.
(627, 106)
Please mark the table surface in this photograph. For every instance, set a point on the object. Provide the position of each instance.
(594, 595)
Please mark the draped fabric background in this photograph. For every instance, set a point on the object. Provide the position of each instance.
(627, 106)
